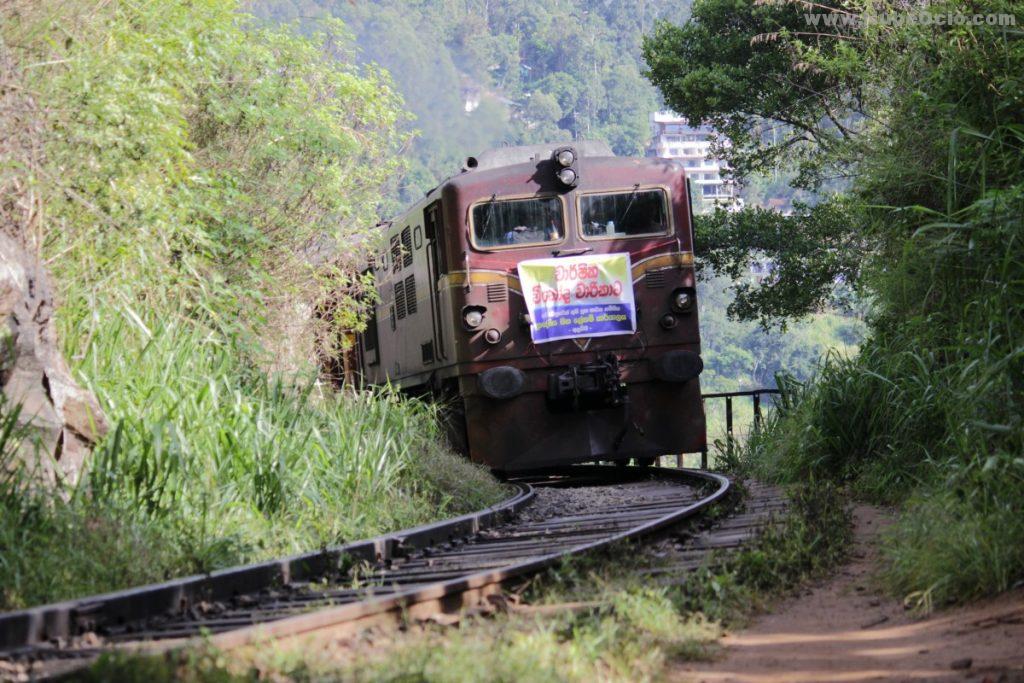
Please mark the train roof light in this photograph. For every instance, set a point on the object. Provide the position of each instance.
(567, 177)
(564, 160)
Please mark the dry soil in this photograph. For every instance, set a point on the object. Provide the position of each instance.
(841, 630)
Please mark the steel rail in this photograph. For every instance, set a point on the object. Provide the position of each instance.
(64, 620)
(423, 591)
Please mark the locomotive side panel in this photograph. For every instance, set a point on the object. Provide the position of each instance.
(404, 314)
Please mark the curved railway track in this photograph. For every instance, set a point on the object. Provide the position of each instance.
(441, 567)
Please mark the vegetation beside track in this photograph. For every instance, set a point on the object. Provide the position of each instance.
(204, 182)
(925, 122)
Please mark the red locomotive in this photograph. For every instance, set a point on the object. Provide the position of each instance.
(547, 292)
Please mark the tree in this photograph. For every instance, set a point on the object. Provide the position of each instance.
(807, 252)
(783, 96)
(751, 68)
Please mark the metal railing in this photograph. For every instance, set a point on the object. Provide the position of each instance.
(754, 394)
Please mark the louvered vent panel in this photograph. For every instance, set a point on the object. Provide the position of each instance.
(497, 292)
(410, 294)
(407, 247)
(396, 254)
(655, 279)
(400, 300)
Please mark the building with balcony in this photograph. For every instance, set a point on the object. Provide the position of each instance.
(674, 138)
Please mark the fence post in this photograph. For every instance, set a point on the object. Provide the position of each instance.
(757, 412)
(728, 424)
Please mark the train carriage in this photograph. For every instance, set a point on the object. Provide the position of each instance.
(454, 317)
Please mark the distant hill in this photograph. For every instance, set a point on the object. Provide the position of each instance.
(529, 72)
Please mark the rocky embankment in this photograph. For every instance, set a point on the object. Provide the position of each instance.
(60, 419)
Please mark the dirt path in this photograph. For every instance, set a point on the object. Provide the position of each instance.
(842, 631)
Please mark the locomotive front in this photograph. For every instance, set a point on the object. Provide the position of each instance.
(566, 285)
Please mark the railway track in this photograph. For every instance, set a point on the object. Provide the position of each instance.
(441, 567)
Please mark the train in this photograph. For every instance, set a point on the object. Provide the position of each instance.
(546, 295)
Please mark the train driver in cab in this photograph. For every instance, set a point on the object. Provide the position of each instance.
(521, 234)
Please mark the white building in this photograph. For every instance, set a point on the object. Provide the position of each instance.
(673, 138)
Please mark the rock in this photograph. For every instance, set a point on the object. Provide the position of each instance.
(961, 664)
(881, 619)
(63, 420)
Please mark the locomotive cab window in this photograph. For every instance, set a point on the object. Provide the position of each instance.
(624, 214)
(518, 222)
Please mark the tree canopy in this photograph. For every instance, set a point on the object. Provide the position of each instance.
(544, 72)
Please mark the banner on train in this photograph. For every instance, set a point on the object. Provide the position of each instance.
(579, 296)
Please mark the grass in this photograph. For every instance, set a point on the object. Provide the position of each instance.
(212, 463)
(928, 415)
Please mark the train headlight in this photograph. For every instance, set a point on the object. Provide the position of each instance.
(473, 316)
(492, 336)
(682, 301)
(563, 161)
(567, 176)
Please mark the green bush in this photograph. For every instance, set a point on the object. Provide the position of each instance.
(930, 411)
(206, 183)
(925, 123)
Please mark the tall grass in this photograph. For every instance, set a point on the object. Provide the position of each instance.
(931, 413)
(212, 463)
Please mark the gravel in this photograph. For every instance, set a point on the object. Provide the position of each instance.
(552, 502)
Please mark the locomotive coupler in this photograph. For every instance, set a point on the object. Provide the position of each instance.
(587, 387)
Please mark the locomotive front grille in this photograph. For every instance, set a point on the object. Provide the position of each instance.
(655, 279)
(497, 292)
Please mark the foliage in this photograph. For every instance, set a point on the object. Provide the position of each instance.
(930, 411)
(742, 355)
(204, 180)
(756, 69)
(787, 99)
(549, 71)
(202, 165)
(807, 252)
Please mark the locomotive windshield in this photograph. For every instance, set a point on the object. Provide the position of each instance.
(518, 222)
(624, 214)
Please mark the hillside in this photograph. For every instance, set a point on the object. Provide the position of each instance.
(536, 72)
